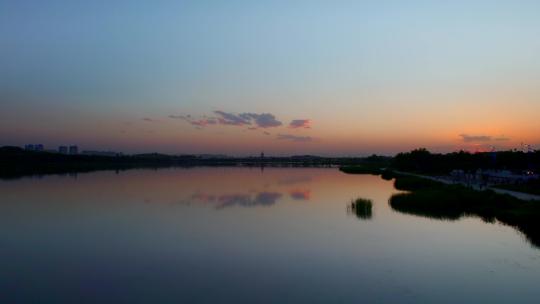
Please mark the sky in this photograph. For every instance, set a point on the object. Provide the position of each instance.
(284, 77)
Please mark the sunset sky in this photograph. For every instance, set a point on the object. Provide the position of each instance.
(283, 77)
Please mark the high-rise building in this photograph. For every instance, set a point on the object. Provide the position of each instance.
(63, 150)
(34, 147)
(73, 150)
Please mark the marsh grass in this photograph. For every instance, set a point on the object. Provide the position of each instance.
(362, 208)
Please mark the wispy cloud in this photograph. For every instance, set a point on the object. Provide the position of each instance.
(481, 138)
(264, 120)
(148, 119)
(204, 122)
(294, 138)
(201, 122)
(300, 123)
(254, 121)
(179, 116)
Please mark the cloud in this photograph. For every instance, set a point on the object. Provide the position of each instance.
(475, 138)
(294, 138)
(266, 133)
(147, 119)
(253, 120)
(300, 123)
(232, 119)
(202, 122)
(264, 120)
(481, 138)
(179, 116)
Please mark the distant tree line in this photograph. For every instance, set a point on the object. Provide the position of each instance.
(421, 160)
(16, 162)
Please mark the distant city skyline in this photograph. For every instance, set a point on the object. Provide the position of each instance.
(238, 78)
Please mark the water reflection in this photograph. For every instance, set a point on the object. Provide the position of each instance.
(300, 194)
(237, 199)
(293, 180)
(264, 198)
(445, 206)
(411, 203)
(148, 236)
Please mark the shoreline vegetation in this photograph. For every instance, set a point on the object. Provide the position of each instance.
(436, 200)
(508, 170)
(440, 201)
(362, 208)
(16, 162)
(500, 169)
(427, 197)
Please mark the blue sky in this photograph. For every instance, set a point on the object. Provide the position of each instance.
(370, 76)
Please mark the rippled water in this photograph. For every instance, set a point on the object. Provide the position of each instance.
(222, 235)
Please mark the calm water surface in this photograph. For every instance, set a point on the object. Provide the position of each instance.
(243, 235)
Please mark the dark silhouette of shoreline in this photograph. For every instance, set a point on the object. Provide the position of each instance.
(16, 162)
(431, 199)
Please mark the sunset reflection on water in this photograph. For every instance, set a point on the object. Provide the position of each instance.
(244, 235)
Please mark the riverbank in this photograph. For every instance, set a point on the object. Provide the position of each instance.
(16, 162)
(474, 186)
(530, 187)
(441, 199)
(433, 199)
